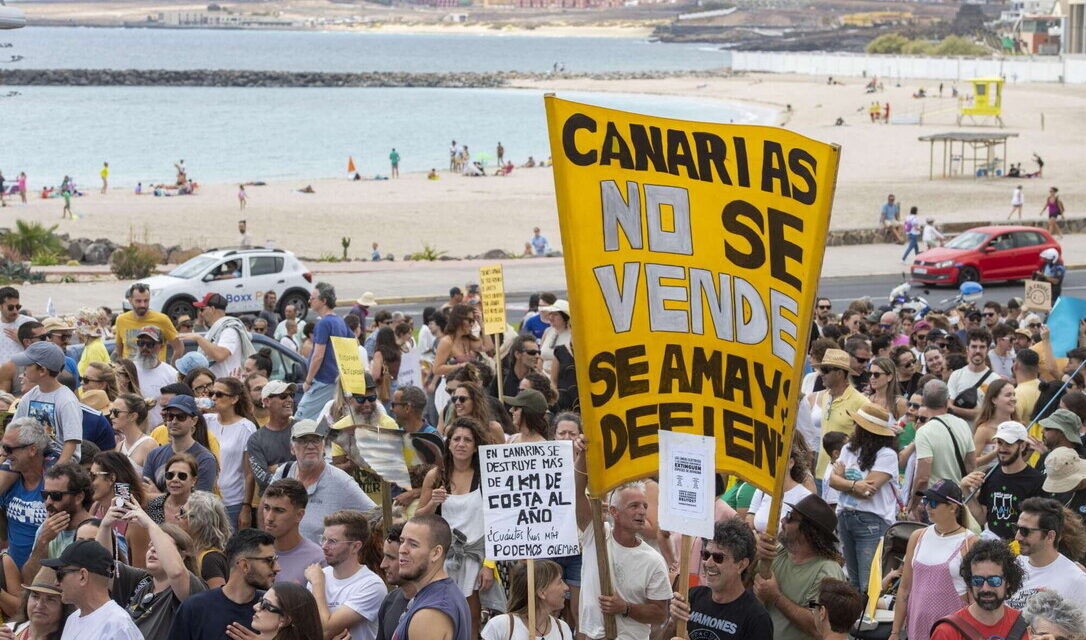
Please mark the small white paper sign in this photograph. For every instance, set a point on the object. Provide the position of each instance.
(410, 369)
(687, 465)
(528, 500)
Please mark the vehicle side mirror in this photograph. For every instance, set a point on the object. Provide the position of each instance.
(298, 373)
(208, 278)
(989, 248)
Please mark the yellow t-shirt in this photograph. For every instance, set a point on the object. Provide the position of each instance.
(1025, 396)
(128, 325)
(835, 418)
(94, 352)
(162, 436)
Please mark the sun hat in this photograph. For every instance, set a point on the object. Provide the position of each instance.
(872, 417)
(818, 512)
(95, 399)
(529, 400)
(304, 428)
(943, 491)
(1064, 470)
(1066, 422)
(367, 300)
(45, 581)
(1011, 432)
(837, 359)
(86, 323)
(1023, 332)
(920, 326)
(560, 305)
(151, 332)
(56, 324)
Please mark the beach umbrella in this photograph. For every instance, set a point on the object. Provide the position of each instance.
(482, 157)
(350, 164)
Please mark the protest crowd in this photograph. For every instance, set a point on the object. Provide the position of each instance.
(936, 480)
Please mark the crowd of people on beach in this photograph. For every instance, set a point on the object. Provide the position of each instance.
(155, 490)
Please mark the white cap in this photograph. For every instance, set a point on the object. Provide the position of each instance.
(1011, 432)
(1050, 254)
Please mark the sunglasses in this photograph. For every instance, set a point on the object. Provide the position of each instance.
(914, 405)
(269, 607)
(1035, 325)
(993, 581)
(885, 326)
(13, 307)
(116, 412)
(717, 556)
(988, 314)
(271, 560)
(861, 360)
(921, 336)
(202, 388)
(825, 307)
(87, 380)
(532, 352)
(8, 449)
(792, 516)
(906, 365)
(180, 475)
(877, 374)
(460, 399)
(223, 394)
(175, 417)
(825, 370)
(146, 344)
(930, 503)
(63, 572)
(1026, 531)
(370, 398)
(57, 496)
(280, 396)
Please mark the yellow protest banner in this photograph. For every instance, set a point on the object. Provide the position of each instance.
(692, 254)
(492, 286)
(351, 377)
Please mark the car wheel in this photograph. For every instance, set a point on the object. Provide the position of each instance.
(968, 274)
(179, 307)
(298, 299)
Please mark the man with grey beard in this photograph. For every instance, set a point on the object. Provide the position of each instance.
(153, 373)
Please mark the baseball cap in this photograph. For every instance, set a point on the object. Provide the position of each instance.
(56, 324)
(184, 403)
(153, 333)
(1023, 332)
(85, 554)
(44, 354)
(184, 320)
(944, 491)
(191, 360)
(304, 428)
(275, 387)
(1065, 421)
(1011, 432)
(529, 400)
(211, 300)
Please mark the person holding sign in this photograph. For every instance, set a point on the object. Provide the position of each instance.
(723, 608)
(550, 598)
(639, 577)
(1051, 271)
(453, 491)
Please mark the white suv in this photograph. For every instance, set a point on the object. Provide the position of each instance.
(242, 276)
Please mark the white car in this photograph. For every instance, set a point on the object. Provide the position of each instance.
(242, 276)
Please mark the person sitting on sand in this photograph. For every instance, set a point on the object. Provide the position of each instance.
(505, 169)
(308, 189)
(357, 177)
(432, 175)
(530, 163)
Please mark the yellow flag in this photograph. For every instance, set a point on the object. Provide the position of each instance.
(692, 254)
(351, 377)
(874, 582)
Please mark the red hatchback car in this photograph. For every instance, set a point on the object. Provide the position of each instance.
(985, 254)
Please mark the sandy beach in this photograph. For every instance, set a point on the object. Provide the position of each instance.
(472, 215)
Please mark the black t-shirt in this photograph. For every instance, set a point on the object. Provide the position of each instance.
(1073, 500)
(214, 565)
(205, 615)
(744, 617)
(1001, 493)
(388, 616)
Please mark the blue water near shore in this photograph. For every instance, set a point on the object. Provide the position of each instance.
(242, 134)
(118, 48)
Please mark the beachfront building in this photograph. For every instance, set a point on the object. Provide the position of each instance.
(1073, 17)
(221, 19)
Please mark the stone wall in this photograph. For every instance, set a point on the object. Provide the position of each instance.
(873, 235)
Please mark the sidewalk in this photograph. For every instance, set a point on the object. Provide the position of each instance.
(398, 282)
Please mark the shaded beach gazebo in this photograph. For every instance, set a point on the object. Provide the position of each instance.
(979, 149)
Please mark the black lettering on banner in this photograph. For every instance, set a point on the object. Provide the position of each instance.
(678, 152)
(569, 144)
(774, 170)
(648, 145)
(804, 166)
(712, 152)
(781, 249)
(615, 148)
(622, 374)
(732, 218)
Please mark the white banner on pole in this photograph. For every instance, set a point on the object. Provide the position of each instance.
(528, 500)
(687, 486)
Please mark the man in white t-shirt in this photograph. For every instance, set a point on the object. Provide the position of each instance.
(639, 578)
(226, 343)
(10, 321)
(84, 571)
(976, 371)
(1040, 525)
(348, 594)
(153, 373)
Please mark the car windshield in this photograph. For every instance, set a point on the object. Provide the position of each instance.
(967, 240)
(193, 267)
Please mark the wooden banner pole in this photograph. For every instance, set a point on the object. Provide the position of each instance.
(498, 366)
(684, 580)
(603, 565)
(531, 598)
(386, 505)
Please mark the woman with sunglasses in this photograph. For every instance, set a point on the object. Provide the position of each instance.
(885, 390)
(907, 362)
(996, 408)
(108, 469)
(129, 417)
(550, 599)
(850, 322)
(453, 492)
(184, 423)
(41, 613)
(866, 475)
(443, 403)
(204, 518)
(469, 401)
(101, 375)
(931, 583)
(232, 422)
(287, 611)
(128, 379)
(180, 483)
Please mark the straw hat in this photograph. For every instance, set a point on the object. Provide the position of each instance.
(45, 582)
(95, 399)
(367, 300)
(1064, 470)
(837, 359)
(871, 417)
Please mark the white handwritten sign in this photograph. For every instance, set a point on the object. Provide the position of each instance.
(687, 464)
(528, 500)
(410, 370)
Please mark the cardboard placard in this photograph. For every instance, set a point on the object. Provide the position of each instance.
(692, 254)
(528, 500)
(351, 376)
(687, 464)
(492, 288)
(1038, 296)
(410, 369)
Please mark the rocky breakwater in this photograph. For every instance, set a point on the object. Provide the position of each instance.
(242, 78)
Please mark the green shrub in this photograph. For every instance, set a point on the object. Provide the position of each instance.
(30, 238)
(958, 46)
(887, 43)
(918, 48)
(15, 272)
(43, 258)
(429, 253)
(132, 263)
